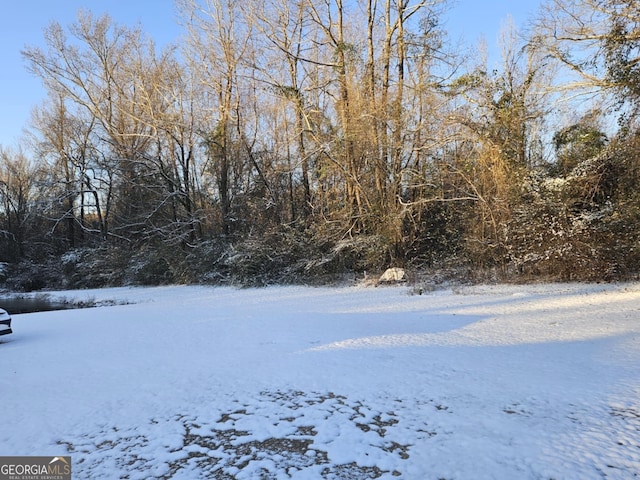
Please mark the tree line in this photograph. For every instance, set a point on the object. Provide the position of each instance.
(297, 140)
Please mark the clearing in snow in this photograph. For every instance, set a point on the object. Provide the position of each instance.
(501, 382)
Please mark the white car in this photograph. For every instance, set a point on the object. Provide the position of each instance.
(5, 322)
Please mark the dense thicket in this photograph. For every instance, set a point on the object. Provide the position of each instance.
(300, 141)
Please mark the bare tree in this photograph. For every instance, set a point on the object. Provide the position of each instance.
(217, 41)
(136, 156)
(92, 73)
(501, 115)
(65, 141)
(597, 41)
(288, 35)
(19, 179)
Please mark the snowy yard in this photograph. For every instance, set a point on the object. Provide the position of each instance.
(503, 382)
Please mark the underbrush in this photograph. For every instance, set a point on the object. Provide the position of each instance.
(572, 252)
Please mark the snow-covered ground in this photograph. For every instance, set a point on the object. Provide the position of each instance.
(503, 382)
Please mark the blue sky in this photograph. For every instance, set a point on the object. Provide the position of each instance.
(22, 23)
